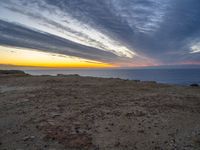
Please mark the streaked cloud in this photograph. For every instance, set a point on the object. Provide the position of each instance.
(62, 25)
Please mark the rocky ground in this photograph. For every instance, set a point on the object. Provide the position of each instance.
(72, 112)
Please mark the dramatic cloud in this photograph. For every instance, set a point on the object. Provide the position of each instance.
(128, 32)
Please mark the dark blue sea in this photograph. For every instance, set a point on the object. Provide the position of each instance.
(170, 76)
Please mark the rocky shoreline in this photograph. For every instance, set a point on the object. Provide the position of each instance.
(72, 112)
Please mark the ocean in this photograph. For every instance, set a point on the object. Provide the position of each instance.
(170, 76)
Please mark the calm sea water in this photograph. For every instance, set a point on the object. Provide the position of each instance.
(171, 76)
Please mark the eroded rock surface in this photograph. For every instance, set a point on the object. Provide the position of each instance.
(73, 112)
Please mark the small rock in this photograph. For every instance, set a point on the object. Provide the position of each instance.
(111, 124)
(157, 133)
(24, 100)
(15, 132)
(117, 144)
(140, 131)
(9, 132)
(51, 122)
(136, 80)
(54, 114)
(28, 138)
(194, 85)
(77, 129)
(157, 147)
(45, 146)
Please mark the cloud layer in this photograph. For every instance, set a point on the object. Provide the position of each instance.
(128, 33)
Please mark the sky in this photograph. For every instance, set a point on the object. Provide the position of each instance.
(99, 33)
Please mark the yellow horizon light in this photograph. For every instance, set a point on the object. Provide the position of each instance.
(35, 58)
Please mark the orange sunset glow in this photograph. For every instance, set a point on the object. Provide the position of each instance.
(32, 58)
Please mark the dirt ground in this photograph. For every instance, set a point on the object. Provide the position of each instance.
(72, 113)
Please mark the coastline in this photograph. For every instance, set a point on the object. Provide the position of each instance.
(166, 76)
(73, 112)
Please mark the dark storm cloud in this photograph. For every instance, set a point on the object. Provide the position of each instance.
(161, 31)
(180, 27)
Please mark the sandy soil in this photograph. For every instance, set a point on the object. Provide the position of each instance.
(72, 112)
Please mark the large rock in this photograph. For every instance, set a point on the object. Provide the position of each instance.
(194, 85)
(12, 73)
